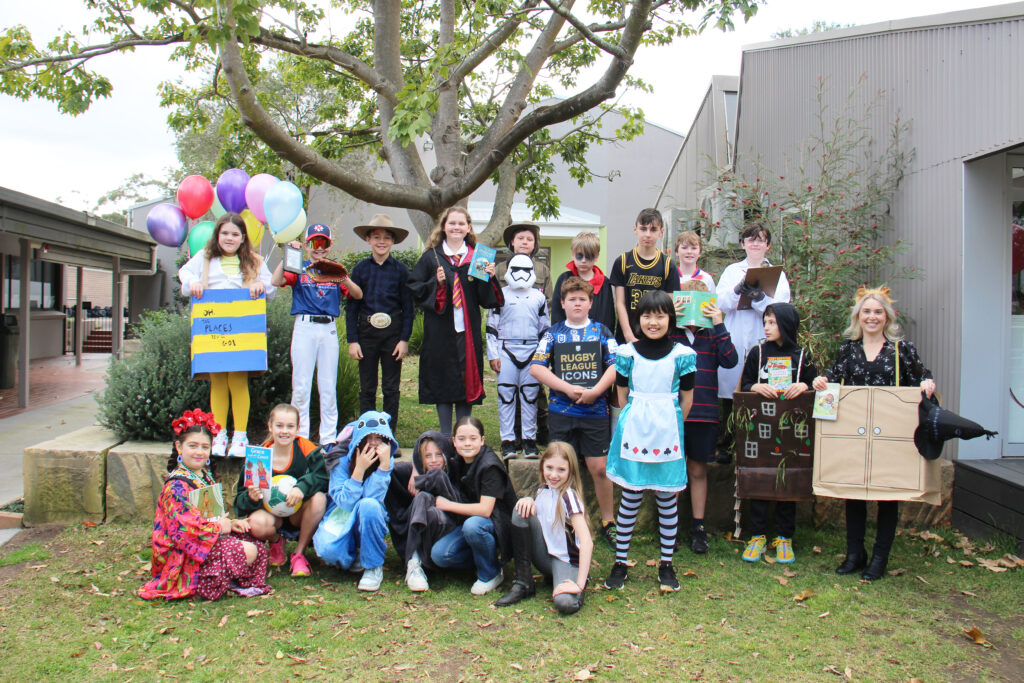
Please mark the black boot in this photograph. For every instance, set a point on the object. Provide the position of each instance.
(855, 560)
(523, 587)
(876, 568)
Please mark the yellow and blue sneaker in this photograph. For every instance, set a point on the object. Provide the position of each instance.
(755, 548)
(784, 550)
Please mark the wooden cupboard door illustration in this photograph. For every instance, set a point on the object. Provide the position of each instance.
(853, 414)
(895, 464)
(894, 413)
(840, 460)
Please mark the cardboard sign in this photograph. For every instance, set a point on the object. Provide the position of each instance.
(690, 314)
(229, 332)
(482, 256)
(578, 363)
(774, 446)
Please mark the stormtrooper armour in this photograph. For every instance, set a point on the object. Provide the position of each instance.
(513, 332)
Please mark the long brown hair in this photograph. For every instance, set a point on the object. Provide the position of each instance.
(560, 449)
(437, 234)
(248, 259)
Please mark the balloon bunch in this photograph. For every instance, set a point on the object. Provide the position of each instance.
(259, 199)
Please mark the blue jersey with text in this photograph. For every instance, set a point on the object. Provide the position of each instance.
(563, 333)
(315, 298)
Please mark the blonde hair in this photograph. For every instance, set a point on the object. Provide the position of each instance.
(688, 237)
(892, 330)
(437, 234)
(694, 286)
(560, 449)
(587, 242)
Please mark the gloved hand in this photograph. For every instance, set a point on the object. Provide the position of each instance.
(751, 291)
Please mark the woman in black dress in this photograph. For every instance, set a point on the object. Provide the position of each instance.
(869, 358)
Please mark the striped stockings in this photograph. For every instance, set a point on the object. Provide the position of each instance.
(668, 522)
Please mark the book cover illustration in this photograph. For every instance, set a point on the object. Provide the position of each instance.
(258, 463)
(577, 363)
(826, 403)
(691, 313)
(209, 500)
(779, 373)
(482, 255)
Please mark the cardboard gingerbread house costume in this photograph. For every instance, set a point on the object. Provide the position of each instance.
(868, 453)
(774, 446)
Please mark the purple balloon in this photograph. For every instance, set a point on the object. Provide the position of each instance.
(231, 189)
(167, 224)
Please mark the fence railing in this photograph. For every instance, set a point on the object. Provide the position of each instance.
(97, 329)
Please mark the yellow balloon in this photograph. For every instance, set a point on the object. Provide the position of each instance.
(253, 227)
(293, 230)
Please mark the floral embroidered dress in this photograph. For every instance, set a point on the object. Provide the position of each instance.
(191, 556)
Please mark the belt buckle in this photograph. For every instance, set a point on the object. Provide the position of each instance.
(380, 320)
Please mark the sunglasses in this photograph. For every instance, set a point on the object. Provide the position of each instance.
(319, 244)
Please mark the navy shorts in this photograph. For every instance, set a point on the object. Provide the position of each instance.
(700, 439)
(588, 435)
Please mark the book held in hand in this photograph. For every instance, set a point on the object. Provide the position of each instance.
(779, 372)
(826, 403)
(258, 463)
(482, 256)
(209, 500)
(577, 363)
(691, 312)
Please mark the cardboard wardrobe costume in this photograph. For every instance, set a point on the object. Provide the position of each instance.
(869, 452)
(774, 446)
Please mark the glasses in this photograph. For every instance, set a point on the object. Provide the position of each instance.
(319, 245)
(582, 257)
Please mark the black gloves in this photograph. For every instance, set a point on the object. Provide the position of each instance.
(751, 291)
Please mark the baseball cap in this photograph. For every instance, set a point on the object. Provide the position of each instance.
(318, 230)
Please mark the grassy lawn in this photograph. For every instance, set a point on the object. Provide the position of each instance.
(67, 610)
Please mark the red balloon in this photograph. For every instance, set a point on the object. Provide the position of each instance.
(195, 196)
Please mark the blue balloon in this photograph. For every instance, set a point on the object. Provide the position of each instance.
(282, 204)
(167, 224)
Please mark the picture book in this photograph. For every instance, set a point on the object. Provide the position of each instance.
(691, 314)
(258, 463)
(826, 403)
(209, 500)
(577, 363)
(779, 373)
(482, 255)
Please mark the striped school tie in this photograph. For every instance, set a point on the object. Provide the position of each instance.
(457, 298)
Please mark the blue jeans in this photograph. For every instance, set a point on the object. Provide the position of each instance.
(474, 544)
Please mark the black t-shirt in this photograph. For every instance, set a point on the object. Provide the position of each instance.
(638, 276)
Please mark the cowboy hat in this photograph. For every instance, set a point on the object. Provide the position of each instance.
(511, 231)
(381, 220)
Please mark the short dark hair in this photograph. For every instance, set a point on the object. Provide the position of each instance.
(756, 229)
(654, 301)
(650, 217)
(576, 284)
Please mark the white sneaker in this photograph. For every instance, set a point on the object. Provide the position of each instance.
(485, 587)
(415, 578)
(220, 443)
(239, 441)
(371, 580)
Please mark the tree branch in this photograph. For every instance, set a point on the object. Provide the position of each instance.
(93, 51)
(613, 50)
(492, 42)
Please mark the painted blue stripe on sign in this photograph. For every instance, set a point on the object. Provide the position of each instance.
(240, 325)
(252, 361)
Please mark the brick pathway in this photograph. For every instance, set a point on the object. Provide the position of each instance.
(52, 380)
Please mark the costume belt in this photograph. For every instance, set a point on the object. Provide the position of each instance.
(379, 320)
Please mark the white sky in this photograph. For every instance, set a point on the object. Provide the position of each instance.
(77, 159)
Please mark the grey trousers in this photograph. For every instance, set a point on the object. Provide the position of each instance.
(551, 567)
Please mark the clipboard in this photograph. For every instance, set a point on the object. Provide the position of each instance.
(767, 278)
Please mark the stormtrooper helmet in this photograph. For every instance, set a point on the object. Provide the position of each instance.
(520, 273)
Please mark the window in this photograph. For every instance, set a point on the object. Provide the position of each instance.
(764, 431)
(801, 430)
(750, 450)
(768, 408)
(45, 283)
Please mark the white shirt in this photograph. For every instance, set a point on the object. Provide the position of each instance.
(192, 271)
(457, 318)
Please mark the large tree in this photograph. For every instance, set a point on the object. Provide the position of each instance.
(472, 80)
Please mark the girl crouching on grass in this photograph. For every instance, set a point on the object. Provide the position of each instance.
(551, 531)
(193, 553)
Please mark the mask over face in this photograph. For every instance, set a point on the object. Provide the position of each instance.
(520, 274)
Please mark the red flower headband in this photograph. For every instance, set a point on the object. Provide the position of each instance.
(192, 418)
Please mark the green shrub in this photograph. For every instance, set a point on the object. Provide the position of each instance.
(154, 386)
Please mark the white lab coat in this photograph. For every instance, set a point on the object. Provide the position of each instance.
(745, 327)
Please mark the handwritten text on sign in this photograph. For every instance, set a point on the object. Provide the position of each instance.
(229, 332)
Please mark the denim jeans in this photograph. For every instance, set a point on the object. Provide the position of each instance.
(472, 545)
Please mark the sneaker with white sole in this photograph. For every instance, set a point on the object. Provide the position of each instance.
(239, 441)
(220, 443)
(415, 577)
(484, 587)
(371, 580)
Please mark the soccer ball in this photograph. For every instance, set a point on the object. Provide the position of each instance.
(273, 500)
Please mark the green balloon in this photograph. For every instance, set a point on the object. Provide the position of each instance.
(217, 210)
(199, 236)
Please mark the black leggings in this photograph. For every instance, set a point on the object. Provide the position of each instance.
(856, 522)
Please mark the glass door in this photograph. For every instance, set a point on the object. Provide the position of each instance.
(1015, 425)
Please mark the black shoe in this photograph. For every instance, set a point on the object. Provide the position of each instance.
(617, 578)
(667, 577)
(530, 449)
(855, 561)
(508, 450)
(699, 540)
(519, 592)
(724, 456)
(876, 568)
(610, 533)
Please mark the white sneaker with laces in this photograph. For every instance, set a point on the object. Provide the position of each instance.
(371, 580)
(220, 443)
(484, 587)
(239, 441)
(415, 577)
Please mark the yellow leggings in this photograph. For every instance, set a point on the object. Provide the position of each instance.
(233, 387)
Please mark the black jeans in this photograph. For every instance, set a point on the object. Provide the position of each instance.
(785, 517)
(856, 523)
(377, 346)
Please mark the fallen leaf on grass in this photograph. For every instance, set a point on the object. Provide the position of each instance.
(1008, 557)
(897, 572)
(583, 675)
(96, 644)
(278, 655)
(782, 580)
(803, 595)
(630, 563)
(223, 620)
(923, 580)
(769, 559)
(973, 595)
(652, 563)
(1005, 561)
(517, 667)
(254, 613)
(823, 615)
(832, 668)
(929, 536)
(816, 550)
(788, 573)
(88, 523)
(715, 596)
(974, 633)
(987, 564)
(691, 573)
